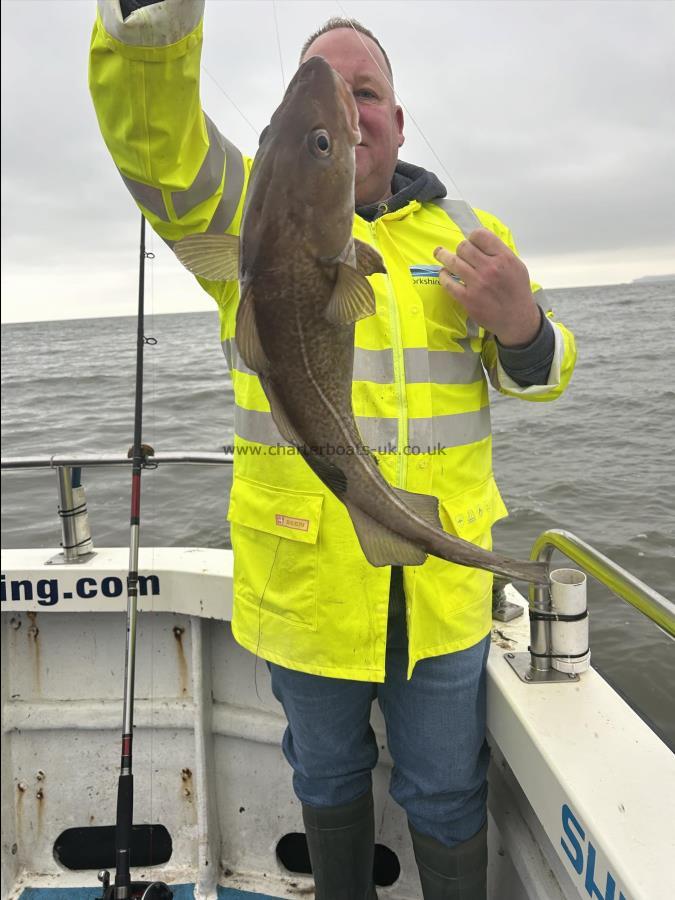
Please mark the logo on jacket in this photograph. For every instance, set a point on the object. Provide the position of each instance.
(425, 274)
(292, 522)
(429, 275)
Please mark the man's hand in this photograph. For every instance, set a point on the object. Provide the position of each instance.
(496, 292)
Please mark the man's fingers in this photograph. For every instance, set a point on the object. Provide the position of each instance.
(470, 254)
(445, 257)
(456, 288)
(486, 241)
(453, 264)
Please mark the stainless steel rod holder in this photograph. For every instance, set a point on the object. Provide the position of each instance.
(75, 531)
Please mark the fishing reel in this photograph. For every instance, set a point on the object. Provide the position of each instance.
(139, 890)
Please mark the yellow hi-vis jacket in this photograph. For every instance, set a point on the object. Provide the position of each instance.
(304, 595)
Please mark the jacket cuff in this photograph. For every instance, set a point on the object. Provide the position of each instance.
(530, 364)
(156, 24)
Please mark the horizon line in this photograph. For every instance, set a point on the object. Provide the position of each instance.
(646, 279)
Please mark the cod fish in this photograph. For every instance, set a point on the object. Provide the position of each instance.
(303, 286)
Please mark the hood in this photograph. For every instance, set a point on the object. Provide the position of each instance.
(409, 183)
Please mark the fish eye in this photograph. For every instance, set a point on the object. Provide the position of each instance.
(320, 142)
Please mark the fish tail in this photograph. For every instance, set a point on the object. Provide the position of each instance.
(465, 554)
(522, 570)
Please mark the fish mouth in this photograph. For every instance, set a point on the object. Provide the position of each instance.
(317, 64)
(350, 107)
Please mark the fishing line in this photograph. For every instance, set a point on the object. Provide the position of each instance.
(281, 59)
(256, 131)
(262, 597)
(460, 195)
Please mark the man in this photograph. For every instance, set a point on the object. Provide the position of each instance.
(336, 632)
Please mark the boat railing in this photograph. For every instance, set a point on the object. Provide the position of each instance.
(618, 580)
(77, 546)
(76, 539)
(99, 460)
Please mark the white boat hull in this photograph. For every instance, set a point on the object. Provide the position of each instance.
(581, 791)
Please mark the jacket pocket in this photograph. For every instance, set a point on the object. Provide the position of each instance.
(274, 539)
(471, 514)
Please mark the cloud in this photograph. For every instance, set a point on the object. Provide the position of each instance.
(556, 116)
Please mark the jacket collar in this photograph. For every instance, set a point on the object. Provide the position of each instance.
(409, 183)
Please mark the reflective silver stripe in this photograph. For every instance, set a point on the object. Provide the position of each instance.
(458, 429)
(258, 427)
(472, 328)
(149, 197)
(426, 435)
(421, 434)
(461, 214)
(227, 350)
(441, 367)
(207, 181)
(234, 184)
(465, 344)
(378, 434)
(369, 365)
(421, 365)
(466, 220)
(373, 365)
(221, 152)
(233, 358)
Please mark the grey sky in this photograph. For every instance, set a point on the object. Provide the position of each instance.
(556, 116)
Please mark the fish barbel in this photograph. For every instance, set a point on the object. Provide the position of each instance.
(303, 286)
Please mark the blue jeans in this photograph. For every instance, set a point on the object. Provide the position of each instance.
(435, 733)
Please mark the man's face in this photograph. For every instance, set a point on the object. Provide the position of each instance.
(380, 119)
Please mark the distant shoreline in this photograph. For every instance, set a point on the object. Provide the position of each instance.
(652, 278)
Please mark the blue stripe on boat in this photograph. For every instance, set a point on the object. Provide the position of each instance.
(180, 892)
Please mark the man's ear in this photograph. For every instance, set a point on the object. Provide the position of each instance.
(398, 115)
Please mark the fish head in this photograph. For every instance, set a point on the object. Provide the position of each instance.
(302, 182)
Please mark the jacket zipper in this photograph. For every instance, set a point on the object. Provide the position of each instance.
(399, 373)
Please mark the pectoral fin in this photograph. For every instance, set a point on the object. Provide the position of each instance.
(286, 428)
(247, 336)
(381, 546)
(213, 256)
(330, 473)
(368, 260)
(352, 297)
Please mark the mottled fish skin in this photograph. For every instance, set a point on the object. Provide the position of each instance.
(299, 211)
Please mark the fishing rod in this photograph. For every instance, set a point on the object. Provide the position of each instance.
(124, 888)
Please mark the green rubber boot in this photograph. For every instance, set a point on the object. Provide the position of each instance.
(341, 844)
(452, 873)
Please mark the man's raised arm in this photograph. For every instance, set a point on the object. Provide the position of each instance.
(144, 73)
